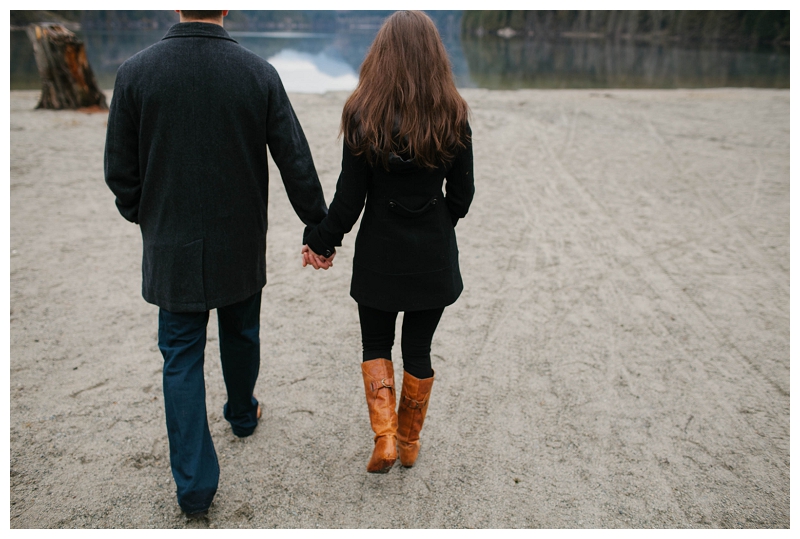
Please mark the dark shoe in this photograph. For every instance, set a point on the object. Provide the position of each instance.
(378, 377)
(238, 431)
(414, 399)
(199, 515)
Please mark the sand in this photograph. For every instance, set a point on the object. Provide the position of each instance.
(619, 357)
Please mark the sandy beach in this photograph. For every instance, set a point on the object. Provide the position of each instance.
(619, 357)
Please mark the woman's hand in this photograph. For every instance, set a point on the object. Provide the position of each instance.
(316, 261)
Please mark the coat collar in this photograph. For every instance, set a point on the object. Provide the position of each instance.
(198, 29)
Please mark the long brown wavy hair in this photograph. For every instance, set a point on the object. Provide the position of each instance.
(406, 101)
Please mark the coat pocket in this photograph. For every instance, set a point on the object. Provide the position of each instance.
(173, 275)
(399, 209)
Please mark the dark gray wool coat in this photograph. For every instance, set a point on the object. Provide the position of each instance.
(406, 256)
(188, 127)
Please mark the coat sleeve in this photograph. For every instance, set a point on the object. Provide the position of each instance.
(289, 149)
(460, 185)
(121, 156)
(347, 204)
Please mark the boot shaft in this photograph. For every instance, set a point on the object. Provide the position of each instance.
(414, 399)
(378, 375)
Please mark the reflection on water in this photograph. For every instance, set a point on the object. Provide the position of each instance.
(313, 73)
(498, 63)
(314, 63)
(309, 63)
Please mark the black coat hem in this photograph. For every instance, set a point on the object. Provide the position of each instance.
(406, 292)
(198, 307)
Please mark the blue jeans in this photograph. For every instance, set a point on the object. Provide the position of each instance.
(182, 340)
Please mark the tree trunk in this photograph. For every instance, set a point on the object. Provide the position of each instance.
(67, 78)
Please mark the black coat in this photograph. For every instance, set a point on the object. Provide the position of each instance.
(188, 127)
(406, 256)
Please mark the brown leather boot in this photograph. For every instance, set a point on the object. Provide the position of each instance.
(413, 406)
(379, 386)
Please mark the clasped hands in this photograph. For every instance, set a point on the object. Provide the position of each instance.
(310, 258)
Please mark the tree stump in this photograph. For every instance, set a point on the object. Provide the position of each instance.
(67, 78)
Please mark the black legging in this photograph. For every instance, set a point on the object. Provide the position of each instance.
(377, 336)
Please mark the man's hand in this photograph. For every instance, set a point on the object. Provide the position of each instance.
(314, 260)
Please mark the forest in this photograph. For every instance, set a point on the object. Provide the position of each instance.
(240, 20)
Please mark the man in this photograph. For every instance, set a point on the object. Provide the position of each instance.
(190, 121)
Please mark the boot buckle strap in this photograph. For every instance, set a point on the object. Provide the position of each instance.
(380, 384)
(412, 404)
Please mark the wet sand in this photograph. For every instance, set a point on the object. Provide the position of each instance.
(619, 356)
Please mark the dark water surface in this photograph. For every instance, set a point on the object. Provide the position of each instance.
(311, 62)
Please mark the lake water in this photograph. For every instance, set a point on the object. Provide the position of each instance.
(317, 63)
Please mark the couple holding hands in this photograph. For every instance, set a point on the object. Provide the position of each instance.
(185, 156)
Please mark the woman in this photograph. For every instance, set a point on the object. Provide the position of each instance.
(405, 132)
